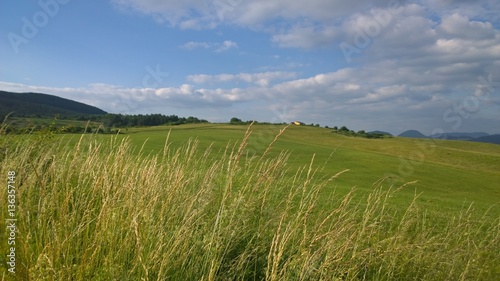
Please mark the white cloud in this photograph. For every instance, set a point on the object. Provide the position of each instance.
(262, 79)
(216, 46)
(226, 45)
(199, 14)
(457, 25)
(259, 12)
(418, 59)
(307, 36)
(416, 43)
(485, 9)
(320, 23)
(191, 45)
(173, 12)
(382, 95)
(197, 24)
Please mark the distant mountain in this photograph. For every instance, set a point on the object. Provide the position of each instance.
(43, 105)
(490, 139)
(412, 134)
(459, 136)
(477, 136)
(380, 133)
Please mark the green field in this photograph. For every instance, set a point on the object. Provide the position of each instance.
(232, 202)
(450, 174)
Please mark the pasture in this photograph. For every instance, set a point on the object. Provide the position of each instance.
(446, 174)
(232, 202)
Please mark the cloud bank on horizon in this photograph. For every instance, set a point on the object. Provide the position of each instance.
(388, 65)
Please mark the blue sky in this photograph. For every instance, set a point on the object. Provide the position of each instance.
(375, 65)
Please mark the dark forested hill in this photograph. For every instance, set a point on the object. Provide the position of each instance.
(490, 139)
(412, 134)
(43, 105)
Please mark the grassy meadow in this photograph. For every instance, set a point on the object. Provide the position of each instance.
(265, 202)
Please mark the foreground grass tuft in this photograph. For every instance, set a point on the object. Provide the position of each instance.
(97, 211)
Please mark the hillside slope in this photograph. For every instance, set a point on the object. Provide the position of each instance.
(449, 173)
(42, 105)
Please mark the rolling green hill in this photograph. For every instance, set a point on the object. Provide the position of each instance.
(43, 105)
(266, 202)
(449, 173)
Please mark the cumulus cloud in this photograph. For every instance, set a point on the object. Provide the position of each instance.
(118, 99)
(457, 25)
(248, 13)
(262, 79)
(363, 97)
(320, 23)
(411, 60)
(258, 12)
(450, 48)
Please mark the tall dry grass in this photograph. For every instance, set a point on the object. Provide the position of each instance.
(102, 211)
